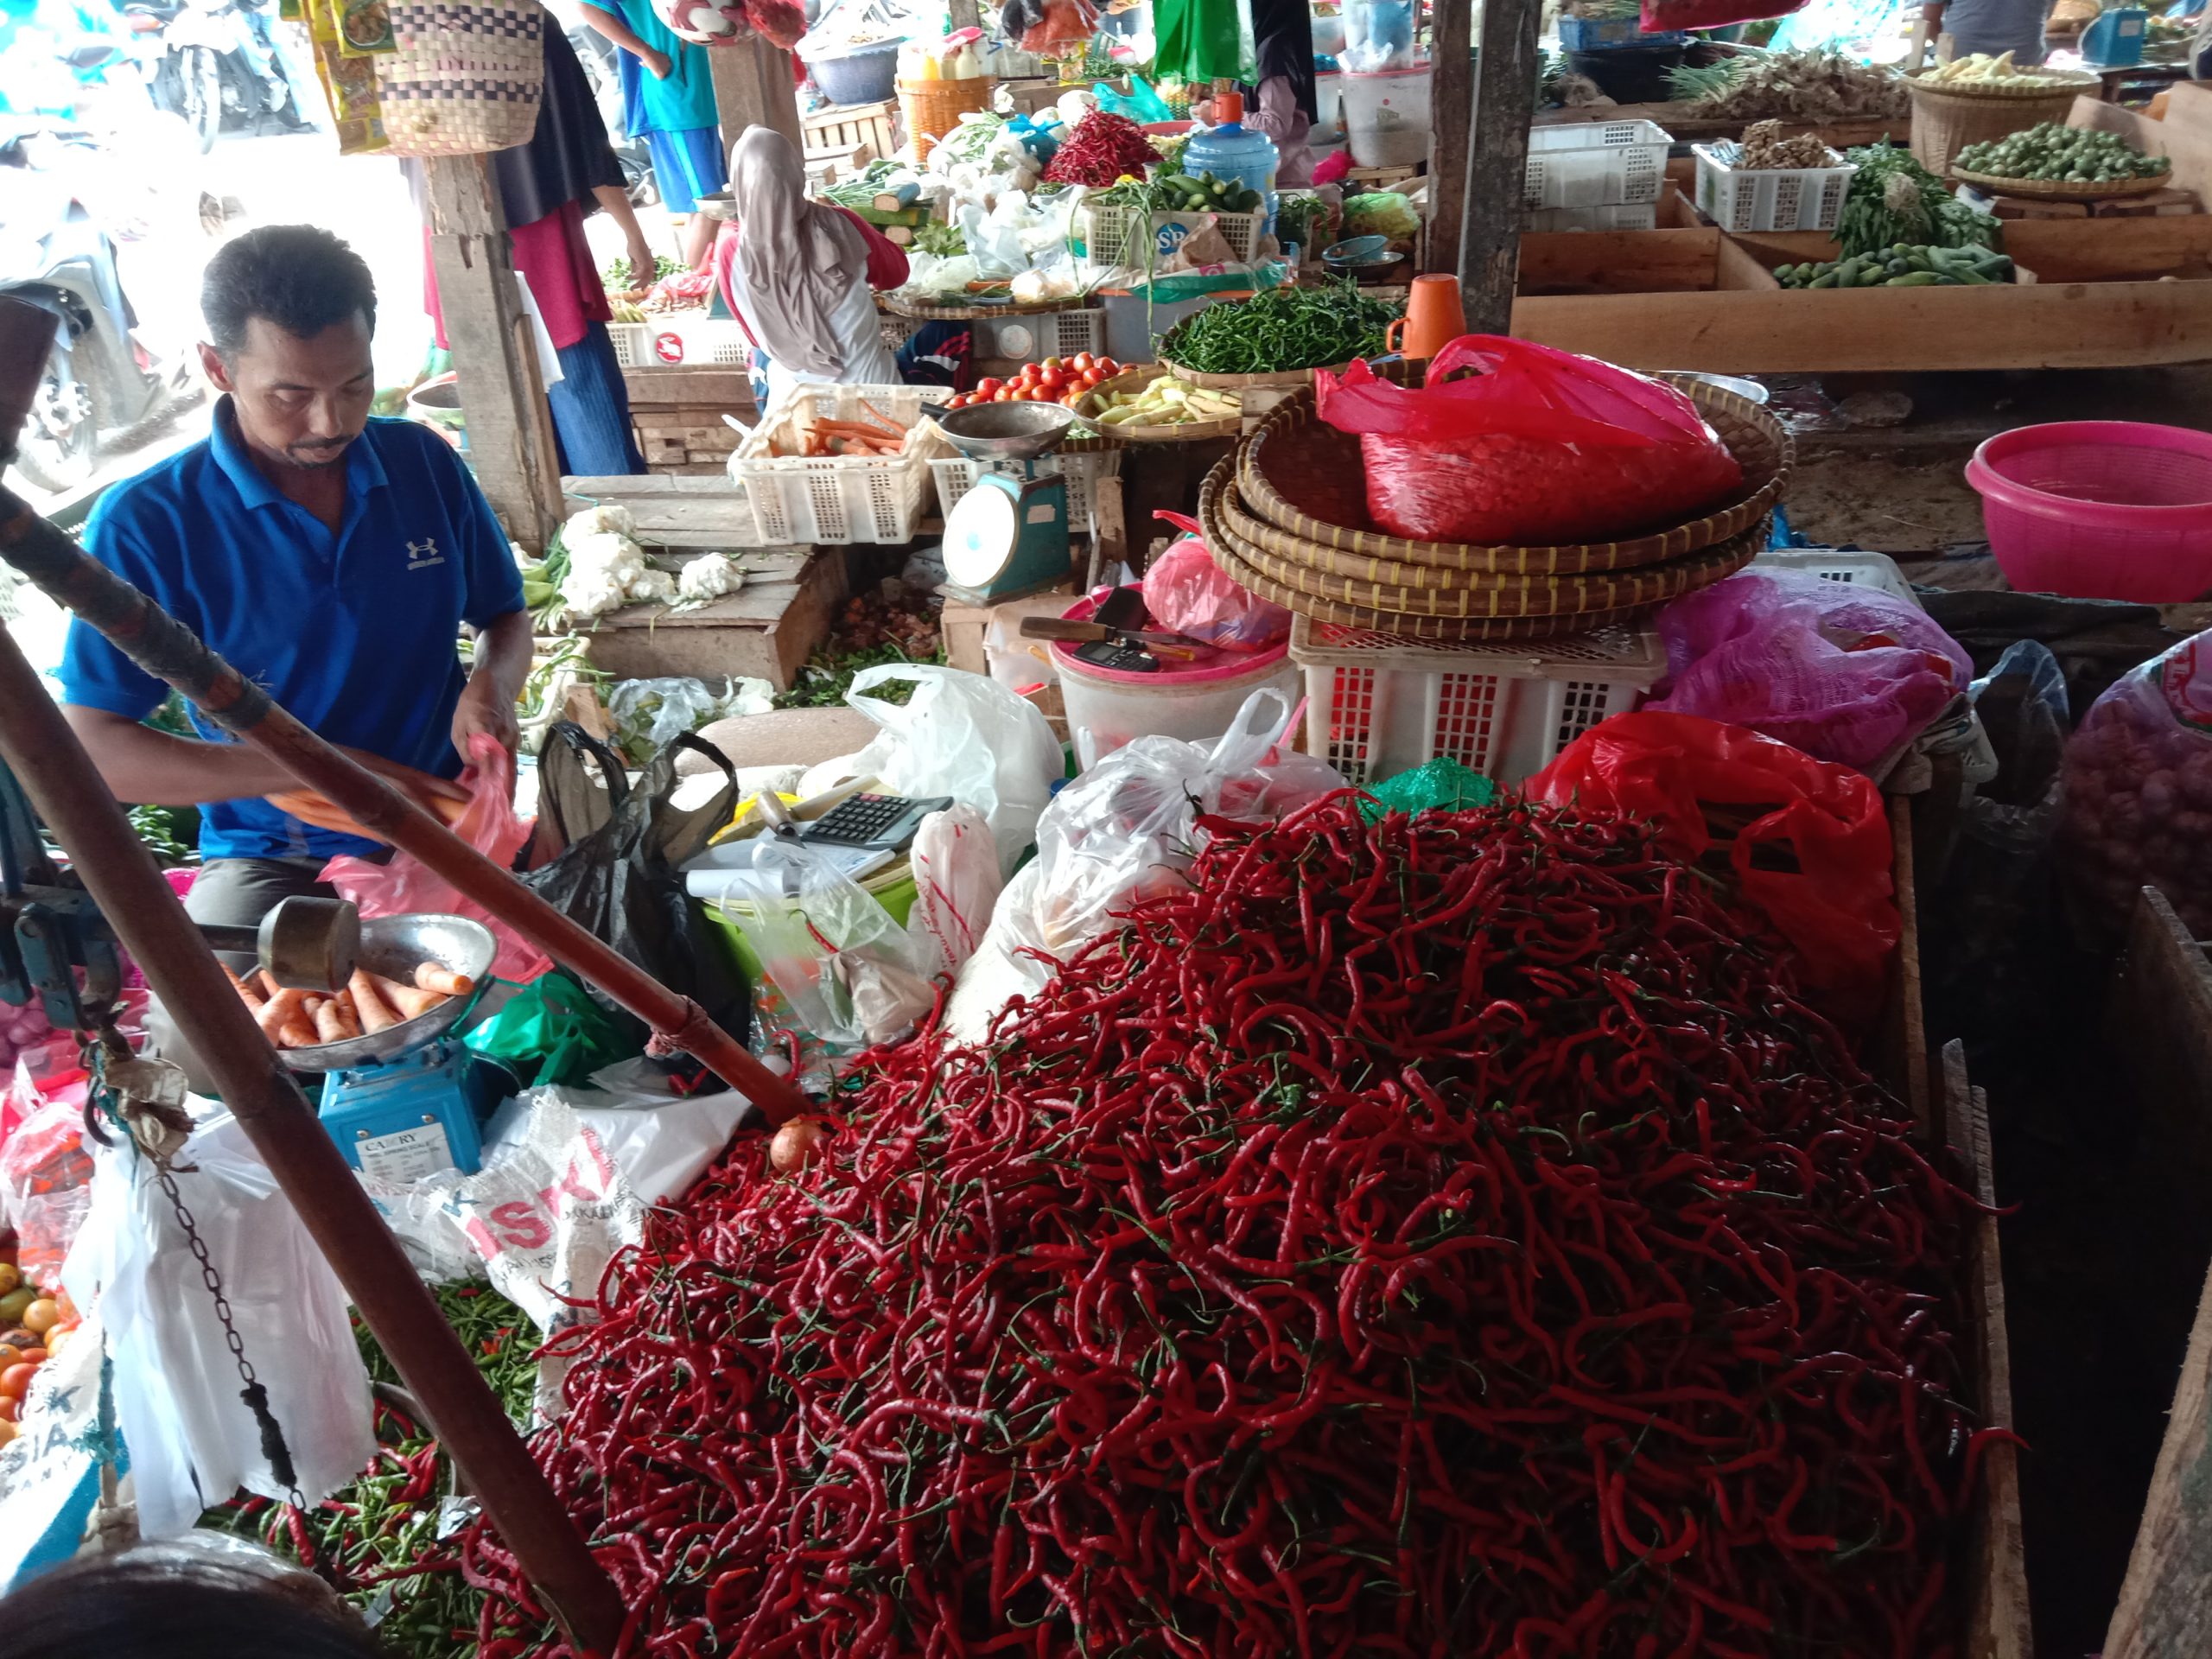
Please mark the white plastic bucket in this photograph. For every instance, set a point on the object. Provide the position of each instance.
(1386, 117)
(1107, 708)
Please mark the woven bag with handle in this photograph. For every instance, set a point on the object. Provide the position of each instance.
(466, 77)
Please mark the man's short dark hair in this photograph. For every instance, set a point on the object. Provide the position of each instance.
(298, 277)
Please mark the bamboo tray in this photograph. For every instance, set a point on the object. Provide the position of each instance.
(1131, 380)
(1291, 377)
(1304, 478)
(2069, 82)
(2062, 190)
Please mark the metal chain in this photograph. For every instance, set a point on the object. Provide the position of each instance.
(253, 1393)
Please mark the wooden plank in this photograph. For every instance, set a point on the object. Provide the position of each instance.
(677, 512)
(1497, 165)
(2056, 326)
(511, 447)
(2160, 1020)
(1998, 1624)
(1452, 102)
(1903, 1039)
(765, 629)
(1615, 261)
(2186, 143)
(1690, 129)
(753, 87)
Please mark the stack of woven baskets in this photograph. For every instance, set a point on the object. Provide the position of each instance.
(1286, 516)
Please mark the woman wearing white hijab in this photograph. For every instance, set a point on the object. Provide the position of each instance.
(801, 275)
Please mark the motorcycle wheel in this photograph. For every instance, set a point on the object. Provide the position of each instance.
(60, 440)
(201, 77)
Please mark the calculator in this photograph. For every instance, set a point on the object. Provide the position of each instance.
(883, 822)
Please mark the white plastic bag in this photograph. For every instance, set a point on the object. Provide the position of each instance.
(1126, 832)
(955, 884)
(963, 735)
(192, 1440)
(844, 970)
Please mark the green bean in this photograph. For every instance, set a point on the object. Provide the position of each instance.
(1281, 329)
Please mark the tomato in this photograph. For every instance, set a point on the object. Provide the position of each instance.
(58, 1339)
(1081, 361)
(32, 1356)
(16, 1379)
(986, 386)
(1074, 399)
(1052, 380)
(8, 1429)
(1108, 367)
(1053, 363)
(1003, 395)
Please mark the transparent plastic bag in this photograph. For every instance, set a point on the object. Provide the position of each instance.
(405, 887)
(1537, 447)
(965, 735)
(1127, 830)
(957, 883)
(2137, 787)
(1845, 673)
(844, 970)
(1187, 593)
(46, 1176)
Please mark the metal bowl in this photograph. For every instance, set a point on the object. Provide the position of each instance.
(394, 946)
(1012, 431)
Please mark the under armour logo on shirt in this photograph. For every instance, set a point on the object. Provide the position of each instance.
(421, 556)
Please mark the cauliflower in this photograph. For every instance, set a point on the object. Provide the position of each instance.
(590, 592)
(651, 584)
(594, 521)
(710, 576)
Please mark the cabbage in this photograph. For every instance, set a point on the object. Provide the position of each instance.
(1383, 213)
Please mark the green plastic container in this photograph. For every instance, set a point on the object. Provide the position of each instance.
(895, 889)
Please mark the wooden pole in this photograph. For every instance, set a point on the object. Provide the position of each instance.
(511, 446)
(1452, 109)
(963, 14)
(753, 87)
(1505, 102)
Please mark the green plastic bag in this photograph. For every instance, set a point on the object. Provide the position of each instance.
(1442, 783)
(553, 1028)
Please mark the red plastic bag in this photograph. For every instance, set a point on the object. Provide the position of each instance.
(1535, 448)
(1187, 593)
(1812, 853)
(405, 888)
(1662, 15)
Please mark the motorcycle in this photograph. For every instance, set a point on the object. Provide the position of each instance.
(217, 65)
(54, 254)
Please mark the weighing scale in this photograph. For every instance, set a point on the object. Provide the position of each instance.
(410, 1100)
(1008, 535)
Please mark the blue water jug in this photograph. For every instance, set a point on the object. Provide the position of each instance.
(1231, 152)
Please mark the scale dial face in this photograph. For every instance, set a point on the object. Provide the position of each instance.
(981, 533)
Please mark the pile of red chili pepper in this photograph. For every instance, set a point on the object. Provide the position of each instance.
(1447, 1236)
(1102, 148)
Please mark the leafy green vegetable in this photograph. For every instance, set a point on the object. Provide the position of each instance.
(1893, 198)
(1281, 328)
(619, 278)
(943, 240)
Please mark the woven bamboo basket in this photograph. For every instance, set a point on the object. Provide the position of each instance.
(1524, 608)
(2061, 189)
(464, 76)
(933, 108)
(1293, 452)
(1948, 117)
(1135, 380)
(1290, 377)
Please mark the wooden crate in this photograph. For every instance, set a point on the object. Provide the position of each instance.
(872, 127)
(2099, 293)
(677, 415)
(1685, 128)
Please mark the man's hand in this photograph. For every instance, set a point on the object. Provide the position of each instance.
(483, 707)
(657, 63)
(644, 263)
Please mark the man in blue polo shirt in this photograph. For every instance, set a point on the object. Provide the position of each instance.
(329, 556)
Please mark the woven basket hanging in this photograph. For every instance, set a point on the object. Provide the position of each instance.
(466, 77)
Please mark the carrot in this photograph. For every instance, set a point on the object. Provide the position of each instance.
(436, 976)
(375, 1013)
(329, 1023)
(296, 1034)
(253, 999)
(278, 1012)
(269, 982)
(890, 424)
(406, 1000)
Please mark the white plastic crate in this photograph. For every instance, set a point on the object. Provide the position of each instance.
(1619, 216)
(678, 338)
(956, 475)
(1040, 335)
(1861, 569)
(1596, 164)
(1377, 704)
(1769, 199)
(840, 498)
(1115, 235)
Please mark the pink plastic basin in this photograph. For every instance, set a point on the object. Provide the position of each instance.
(2100, 509)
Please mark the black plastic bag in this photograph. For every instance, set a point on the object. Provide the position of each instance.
(619, 870)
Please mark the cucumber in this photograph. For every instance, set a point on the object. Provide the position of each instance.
(1916, 279)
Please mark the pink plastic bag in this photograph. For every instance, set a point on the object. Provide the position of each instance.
(1534, 447)
(1186, 593)
(404, 887)
(1845, 673)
